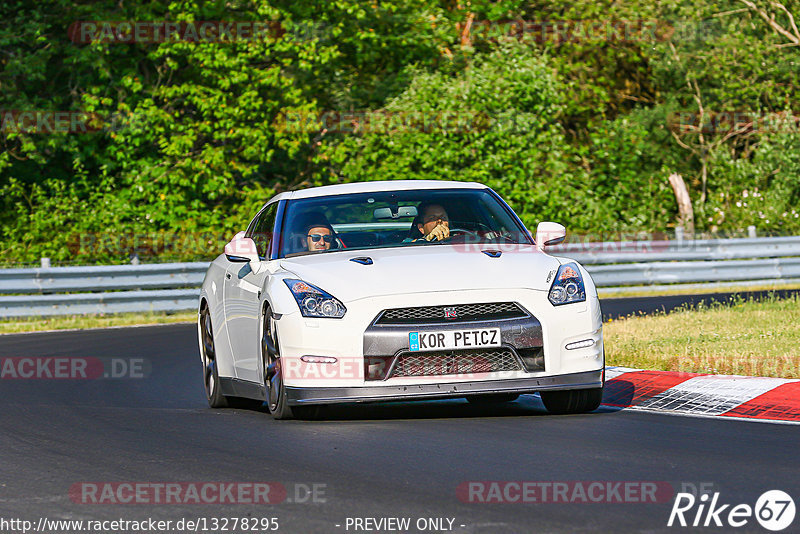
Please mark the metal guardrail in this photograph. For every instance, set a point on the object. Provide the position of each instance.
(624, 265)
(100, 289)
(680, 272)
(96, 278)
(171, 300)
(684, 250)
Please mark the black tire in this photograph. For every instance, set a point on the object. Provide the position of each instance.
(572, 400)
(494, 398)
(214, 394)
(274, 387)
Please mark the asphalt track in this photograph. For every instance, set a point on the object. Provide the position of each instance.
(393, 460)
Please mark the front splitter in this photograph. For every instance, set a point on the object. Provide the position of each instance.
(333, 395)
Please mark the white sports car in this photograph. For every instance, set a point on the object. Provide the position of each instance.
(398, 290)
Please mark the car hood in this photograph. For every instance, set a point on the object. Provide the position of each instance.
(423, 269)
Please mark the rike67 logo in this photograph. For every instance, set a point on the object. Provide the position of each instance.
(774, 510)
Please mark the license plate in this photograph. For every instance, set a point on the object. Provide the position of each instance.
(454, 339)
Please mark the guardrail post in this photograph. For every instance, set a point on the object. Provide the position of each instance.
(751, 232)
(679, 234)
(45, 263)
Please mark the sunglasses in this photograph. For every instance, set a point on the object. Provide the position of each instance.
(316, 237)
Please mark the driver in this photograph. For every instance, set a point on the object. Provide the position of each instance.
(432, 222)
(319, 237)
(317, 233)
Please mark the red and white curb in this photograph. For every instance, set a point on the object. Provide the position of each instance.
(752, 398)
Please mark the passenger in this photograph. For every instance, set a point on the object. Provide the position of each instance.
(431, 223)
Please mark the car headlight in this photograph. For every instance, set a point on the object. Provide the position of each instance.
(314, 302)
(568, 286)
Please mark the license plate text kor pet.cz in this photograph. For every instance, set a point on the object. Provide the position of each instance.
(454, 339)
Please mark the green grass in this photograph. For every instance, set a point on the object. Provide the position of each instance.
(756, 338)
(71, 322)
(608, 292)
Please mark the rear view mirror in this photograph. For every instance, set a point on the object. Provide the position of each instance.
(388, 213)
(549, 233)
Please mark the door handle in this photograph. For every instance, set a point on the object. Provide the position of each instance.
(228, 276)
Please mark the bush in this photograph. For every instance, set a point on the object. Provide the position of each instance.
(508, 102)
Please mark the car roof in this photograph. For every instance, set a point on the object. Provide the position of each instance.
(375, 187)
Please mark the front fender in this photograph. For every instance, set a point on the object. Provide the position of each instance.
(277, 294)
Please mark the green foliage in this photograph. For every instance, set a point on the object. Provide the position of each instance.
(190, 149)
(627, 166)
(188, 140)
(493, 123)
(761, 191)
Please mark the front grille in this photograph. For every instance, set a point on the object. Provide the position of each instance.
(455, 362)
(451, 314)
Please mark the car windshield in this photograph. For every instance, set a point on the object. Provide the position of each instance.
(397, 219)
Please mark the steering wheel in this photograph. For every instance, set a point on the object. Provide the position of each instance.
(458, 235)
(463, 232)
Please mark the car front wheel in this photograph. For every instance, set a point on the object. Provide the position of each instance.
(274, 387)
(273, 377)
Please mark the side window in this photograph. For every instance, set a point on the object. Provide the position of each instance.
(262, 230)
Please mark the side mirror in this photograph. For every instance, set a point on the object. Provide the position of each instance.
(242, 249)
(549, 233)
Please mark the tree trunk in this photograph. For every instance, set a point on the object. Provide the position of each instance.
(684, 203)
